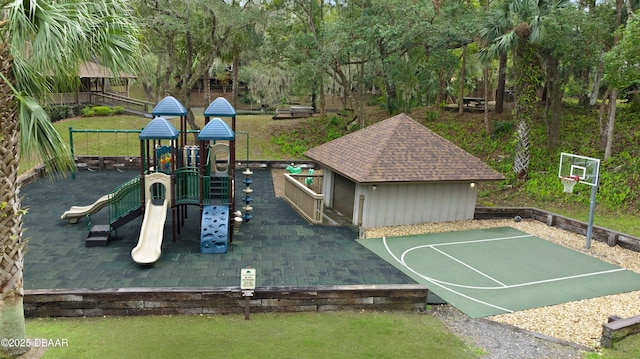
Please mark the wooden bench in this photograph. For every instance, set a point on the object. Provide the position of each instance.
(618, 328)
(293, 112)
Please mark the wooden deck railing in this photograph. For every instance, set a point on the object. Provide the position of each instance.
(68, 98)
(114, 99)
(308, 203)
(101, 98)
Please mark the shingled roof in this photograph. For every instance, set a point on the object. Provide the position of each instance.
(400, 149)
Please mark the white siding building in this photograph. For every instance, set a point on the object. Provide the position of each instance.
(398, 172)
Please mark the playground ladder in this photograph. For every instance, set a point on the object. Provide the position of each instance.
(219, 189)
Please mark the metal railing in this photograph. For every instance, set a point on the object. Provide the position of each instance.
(124, 199)
(188, 185)
(118, 142)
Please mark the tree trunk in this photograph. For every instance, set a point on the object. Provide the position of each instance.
(614, 92)
(160, 79)
(485, 79)
(314, 96)
(462, 79)
(502, 78)
(601, 121)
(555, 86)
(629, 7)
(345, 83)
(527, 71)
(206, 83)
(593, 97)
(323, 99)
(235, 80)
(393, 106)
(11, 242)
(12, 325)
(521, 160)
(608, 150)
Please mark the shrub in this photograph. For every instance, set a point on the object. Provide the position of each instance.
(88, 112)
(77, 109)
(500, 127)
(431, 116)
(57, 112)
(102, 111)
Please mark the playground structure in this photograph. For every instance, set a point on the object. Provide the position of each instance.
(173, 176)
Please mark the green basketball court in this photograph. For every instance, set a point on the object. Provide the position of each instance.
(501, 270)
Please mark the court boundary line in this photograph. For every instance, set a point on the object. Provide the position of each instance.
(443, 284)
(456, 260)
(384, 240)
(504, 286)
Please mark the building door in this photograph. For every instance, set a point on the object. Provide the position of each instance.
(344, 192)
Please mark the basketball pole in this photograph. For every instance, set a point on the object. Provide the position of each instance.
(592, 209)
(587, 171)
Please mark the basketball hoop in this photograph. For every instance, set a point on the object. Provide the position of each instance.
(568, 182)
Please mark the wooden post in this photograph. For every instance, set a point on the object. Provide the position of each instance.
(246, 307)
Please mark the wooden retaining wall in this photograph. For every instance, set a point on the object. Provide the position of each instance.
(601, 234)
(221, 300)
(619, 328)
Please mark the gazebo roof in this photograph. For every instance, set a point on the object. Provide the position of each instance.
(169, 106)
(216, 129)
(220, 107)
(400, 149)
(159, 129)
(93, 70)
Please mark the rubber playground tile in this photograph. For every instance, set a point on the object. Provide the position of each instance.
(279, 243)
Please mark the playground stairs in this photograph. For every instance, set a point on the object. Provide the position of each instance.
(98, 235)
(219, 189)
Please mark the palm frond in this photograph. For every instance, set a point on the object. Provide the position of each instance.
(48, 41)
(38, 137)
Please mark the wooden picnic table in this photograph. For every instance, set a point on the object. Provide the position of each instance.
(473, 101)
(294, 111)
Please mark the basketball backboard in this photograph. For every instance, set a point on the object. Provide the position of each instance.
(587, 169)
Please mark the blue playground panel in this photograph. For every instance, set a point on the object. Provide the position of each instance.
(214, 235)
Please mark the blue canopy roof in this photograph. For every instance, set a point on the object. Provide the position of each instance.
(169, 106)
(159, 129)
(216, 129)
(220, 107)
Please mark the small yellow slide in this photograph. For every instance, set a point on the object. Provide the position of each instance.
(76, 212)
(149, 245)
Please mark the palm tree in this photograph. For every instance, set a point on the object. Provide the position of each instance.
(41, 39)
(517, 26)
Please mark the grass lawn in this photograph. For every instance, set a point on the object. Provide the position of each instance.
(291, 335)
(628, 347)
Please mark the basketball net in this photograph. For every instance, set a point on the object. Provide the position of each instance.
(569, 182)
